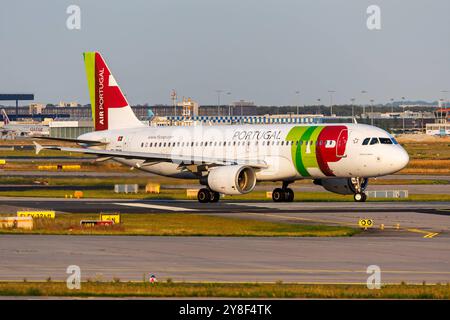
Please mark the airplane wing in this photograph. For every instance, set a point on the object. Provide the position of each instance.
(153, 157)
(89, 142)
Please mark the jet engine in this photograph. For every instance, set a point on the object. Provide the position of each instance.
(234, 179)
(342, 185)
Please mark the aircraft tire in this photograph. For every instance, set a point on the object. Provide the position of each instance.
(289, 195)
(204, 195)
(215, 196)
(360, 197)
(278, 195)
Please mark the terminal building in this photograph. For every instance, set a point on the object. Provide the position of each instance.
(441, 127)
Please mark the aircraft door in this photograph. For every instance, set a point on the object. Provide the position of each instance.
(342, 143)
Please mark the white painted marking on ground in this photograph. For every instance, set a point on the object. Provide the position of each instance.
(152, 206)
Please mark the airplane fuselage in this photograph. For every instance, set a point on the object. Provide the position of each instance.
(290, 152)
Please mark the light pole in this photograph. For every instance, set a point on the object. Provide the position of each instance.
(392, 105)
(331, 101)
(298, 100)
(218, 101)
(353, 107)
(444, 104)
(403, 116)
(364, 106)
(173, 95)
(371, 111)
(229, 105)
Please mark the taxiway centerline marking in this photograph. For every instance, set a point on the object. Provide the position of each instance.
(151, 206)
(427, 233)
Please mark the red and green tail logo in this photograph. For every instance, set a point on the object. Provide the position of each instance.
(103, 89)
(315, 147)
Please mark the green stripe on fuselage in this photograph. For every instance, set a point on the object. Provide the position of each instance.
(295, 134)
(301, 159)
(309, 158)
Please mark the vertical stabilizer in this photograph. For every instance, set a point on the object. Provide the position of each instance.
(110, 108)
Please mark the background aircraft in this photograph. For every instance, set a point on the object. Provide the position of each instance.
(22, 130)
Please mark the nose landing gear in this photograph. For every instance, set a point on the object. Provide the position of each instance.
(357, 183)
(360, 197)
(283, 194)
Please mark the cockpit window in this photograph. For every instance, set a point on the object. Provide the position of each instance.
(374, 141)
(366, 141)
(394, 141)
(385, 141)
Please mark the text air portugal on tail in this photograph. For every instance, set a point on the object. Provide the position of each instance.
(110, 108)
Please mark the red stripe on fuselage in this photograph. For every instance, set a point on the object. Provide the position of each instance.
(325, 155)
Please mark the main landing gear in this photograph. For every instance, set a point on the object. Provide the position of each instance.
(283, 194)
(205, 195)
(359, 195)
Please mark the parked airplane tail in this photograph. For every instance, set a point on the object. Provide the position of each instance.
(5, 117)
(110, 109)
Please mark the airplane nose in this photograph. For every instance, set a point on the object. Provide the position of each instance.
(401, 158)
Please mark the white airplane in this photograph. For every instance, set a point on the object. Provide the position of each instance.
(231, 159)
(23, 130)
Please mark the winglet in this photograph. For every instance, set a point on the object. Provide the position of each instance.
(354, 120)
(38, 147)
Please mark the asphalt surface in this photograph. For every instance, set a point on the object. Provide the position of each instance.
(413, 245)
(310, 260)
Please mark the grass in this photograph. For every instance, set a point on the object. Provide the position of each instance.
(226, 290)
(42, 154)
(182, 225)
(180, 194)
(427, 157)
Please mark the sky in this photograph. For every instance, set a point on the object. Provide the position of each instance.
(258, 50)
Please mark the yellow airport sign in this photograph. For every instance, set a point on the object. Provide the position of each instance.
(365, 223)
(110, 217)
(37, 214)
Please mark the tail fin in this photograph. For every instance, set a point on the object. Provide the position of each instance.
(110, 109)
(5, 117)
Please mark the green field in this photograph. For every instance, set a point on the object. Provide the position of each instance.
(182, 225)
(226, 290)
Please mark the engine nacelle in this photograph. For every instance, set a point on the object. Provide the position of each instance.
(232, 179)
(340, 185)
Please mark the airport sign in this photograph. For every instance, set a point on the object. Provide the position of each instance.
(37, 214)
(115, 218)
(365, 223)
(95, 223)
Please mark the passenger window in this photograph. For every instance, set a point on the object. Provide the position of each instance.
(374, 141)
(366, 141)
(385, 141)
